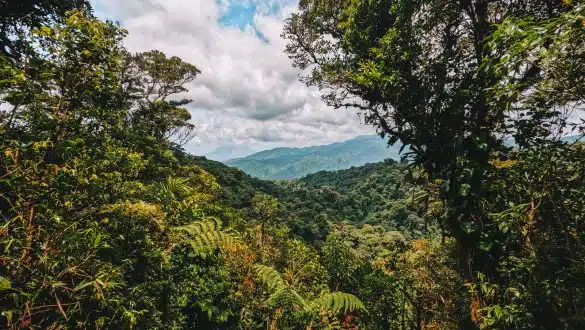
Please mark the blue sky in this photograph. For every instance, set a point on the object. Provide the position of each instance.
(239, 14)
(248, 93)
(234, 13)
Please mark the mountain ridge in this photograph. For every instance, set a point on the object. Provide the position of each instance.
(225, 153)
(291, 163)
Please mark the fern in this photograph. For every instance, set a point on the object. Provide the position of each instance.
(270, 277)
(283, 295)
(338, 302)
(204, 235)
(287, 297)
(177, 185)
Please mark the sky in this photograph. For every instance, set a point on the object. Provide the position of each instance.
(248, 93)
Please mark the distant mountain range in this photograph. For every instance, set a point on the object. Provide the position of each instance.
(290, 163)
(224, 153)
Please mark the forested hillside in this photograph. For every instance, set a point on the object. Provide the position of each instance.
(107, 223)
(375, 194)
(224, 153)
(290, 163)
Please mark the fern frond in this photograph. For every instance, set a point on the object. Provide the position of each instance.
(200, 227)
(204, 235)
(270, 277)
(338, 302)
(420, 197)
(300, 300)
(177, 185)
(281, 295)
(286, 297)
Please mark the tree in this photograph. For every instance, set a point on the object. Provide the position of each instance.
(18, 17)
(456, 81)
(415, 71)
(265, 209)
(152, 78)
(84, 227)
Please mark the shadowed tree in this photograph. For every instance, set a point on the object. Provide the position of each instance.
(414, 70)
(18, 16)
(152, 79)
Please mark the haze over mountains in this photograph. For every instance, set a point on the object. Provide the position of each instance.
(224, 153)
(289, 163)
(292, 163)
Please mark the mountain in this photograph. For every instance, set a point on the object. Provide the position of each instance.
(374, 194)
(570, 139)
(238, 188)
(289, 163)
(223, 153)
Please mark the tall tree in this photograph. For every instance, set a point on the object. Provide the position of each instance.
(454, 80)
(18, 16)
(415, 71)
(152, 79)
(70, 163)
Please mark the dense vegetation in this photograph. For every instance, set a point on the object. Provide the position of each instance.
(375, 194)
(105, 222)
(454, 80)
(290, 163)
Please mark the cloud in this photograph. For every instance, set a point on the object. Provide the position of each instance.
(248, 92)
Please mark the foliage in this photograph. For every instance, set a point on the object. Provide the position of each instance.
(105, 221)
(20, 16)
(375, 194)
(433, 286)
(89, 237)
(411, 285)
(284, 296)
(456, 81)
(238, 188)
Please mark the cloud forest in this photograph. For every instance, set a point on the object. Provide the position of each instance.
(110, 220)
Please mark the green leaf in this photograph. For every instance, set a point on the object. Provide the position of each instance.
(464, 190)
(485, 246)
(82, 285)
(5, 284)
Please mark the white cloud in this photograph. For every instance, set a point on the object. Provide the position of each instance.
(248, 92)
